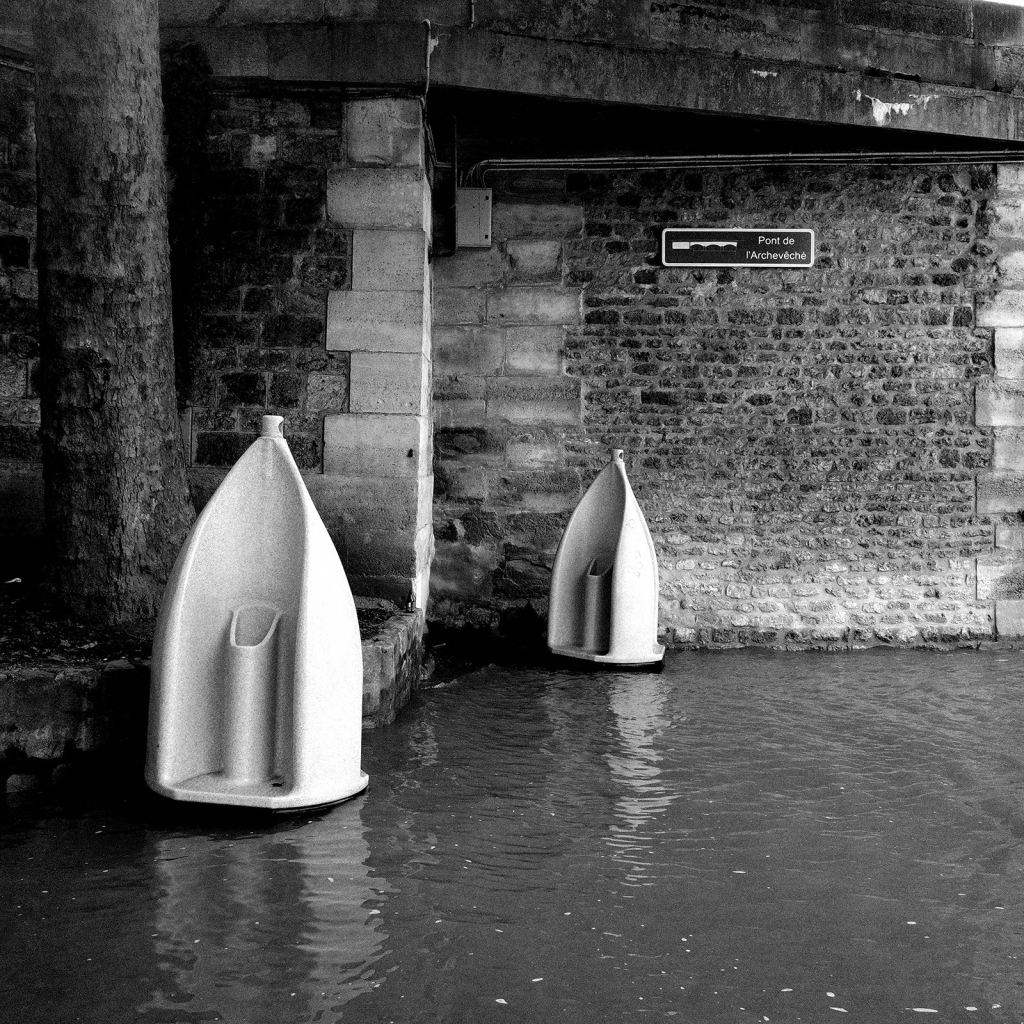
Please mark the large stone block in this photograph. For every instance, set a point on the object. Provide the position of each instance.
(459, 386)
(389, 382)
(377, 321)
(1010, 536)
(374, 444)
(383, 553)
(386, 260)
(297, 53)
(1010, 352)
(536, 220)
(534, 350)
(1010, 619)
(384, 132)
(535, 454)
(1010, 264)
(1001, 577)
(1007, 217)
(1004, 309)
(348, 503)
(241, 52)
(460, 412)
(392, 565)
(469, 349)
(468, 268)
(534, 305)
(535, 400)
(461, 482)
(1010, 177)
(999, 403)
(453, 306)
(1000, 492)
(373, 197)
(1008, 450)
(535, 259)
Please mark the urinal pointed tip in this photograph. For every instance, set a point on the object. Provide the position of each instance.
(272, 426)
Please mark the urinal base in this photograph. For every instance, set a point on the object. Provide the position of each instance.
(656, 655)
(215, 788)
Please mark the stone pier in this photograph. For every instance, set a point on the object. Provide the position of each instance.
(999, 404)
(380, 449)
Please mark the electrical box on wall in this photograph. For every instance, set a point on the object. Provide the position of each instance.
(472, 218)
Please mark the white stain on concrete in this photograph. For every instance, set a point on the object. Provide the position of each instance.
(882, 112)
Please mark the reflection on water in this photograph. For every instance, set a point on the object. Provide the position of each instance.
(745, 836)
(638, 705)
(265, 928)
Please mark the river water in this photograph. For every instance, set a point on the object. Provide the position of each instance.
(744, 836)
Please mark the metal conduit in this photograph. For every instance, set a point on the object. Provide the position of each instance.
(477, 174)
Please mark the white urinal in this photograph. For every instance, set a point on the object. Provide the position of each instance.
(603, 605)
(257, 672)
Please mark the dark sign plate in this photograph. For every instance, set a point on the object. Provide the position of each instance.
(737, 247)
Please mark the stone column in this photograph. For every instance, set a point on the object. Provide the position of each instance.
(999, 404)
(379, 453)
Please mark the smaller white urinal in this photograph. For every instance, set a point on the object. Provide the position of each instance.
(603, 605)
(257, 673)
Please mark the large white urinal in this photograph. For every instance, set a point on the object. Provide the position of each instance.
(603, 604)
(257, 672)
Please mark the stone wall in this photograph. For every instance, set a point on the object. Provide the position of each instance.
(803, 442)
(313, 304)
(300, 225)
(999, 405)
(20, 481)
(377, 454)
(270, 256)
(505, 411)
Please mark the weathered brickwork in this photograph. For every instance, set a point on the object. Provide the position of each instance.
(19, 349)
(270, 259)
(21, 486)
(803, 442)
(504, 412)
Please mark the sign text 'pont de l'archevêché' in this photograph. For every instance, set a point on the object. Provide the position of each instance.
(737, 247)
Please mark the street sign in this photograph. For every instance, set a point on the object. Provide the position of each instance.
(737, 247)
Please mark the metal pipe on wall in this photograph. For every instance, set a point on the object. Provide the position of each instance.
(476, 175)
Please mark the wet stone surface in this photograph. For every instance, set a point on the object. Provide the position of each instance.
(744, 836)
(30, 630)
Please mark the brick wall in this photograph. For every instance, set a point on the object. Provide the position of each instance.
(270, 258)
(505, 412)
(803, 442)
(20, 480)
(19, 405)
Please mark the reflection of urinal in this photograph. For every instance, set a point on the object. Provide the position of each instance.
(640, 720)
(639, 707)
(257, 672)
(268, 927)
(604, 584)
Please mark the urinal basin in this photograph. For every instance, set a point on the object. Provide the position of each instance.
(603, 603)
(256, 691)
